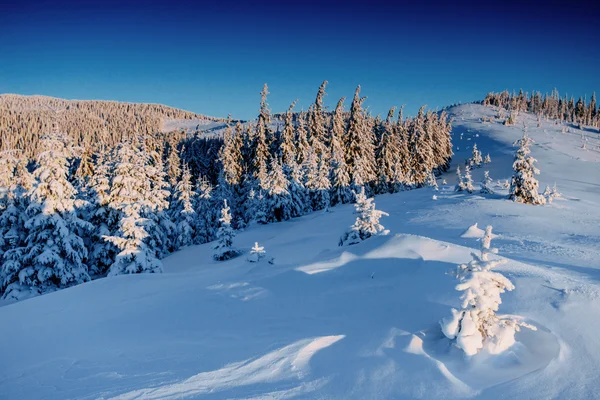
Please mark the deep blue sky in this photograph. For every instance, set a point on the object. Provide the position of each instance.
(213, 57)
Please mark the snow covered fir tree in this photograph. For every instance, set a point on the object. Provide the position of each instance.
(523, 185)
(476, 325)
(367, 222)
(224, 249)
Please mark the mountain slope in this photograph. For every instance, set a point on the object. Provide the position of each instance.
(23, 119)
(329, 322)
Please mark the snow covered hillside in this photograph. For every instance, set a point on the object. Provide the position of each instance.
(317, 321)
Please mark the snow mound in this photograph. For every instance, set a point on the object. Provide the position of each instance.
(534, 350)
(474, 232)
(290, 362)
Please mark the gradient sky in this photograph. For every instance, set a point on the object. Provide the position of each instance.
(212, 57)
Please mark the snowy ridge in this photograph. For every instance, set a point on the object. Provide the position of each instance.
(351, 322)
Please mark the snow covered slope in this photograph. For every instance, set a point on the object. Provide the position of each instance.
(358, 322)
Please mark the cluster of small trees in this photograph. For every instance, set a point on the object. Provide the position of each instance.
(550, 106)
(88, 123)
(78, 214)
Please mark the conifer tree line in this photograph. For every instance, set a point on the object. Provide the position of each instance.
(71, 214)
(550, 105)
(89, 123)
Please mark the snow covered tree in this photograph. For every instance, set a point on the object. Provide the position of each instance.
(173, 165)
(288, 139)
(135, 255)
(432, 182)
(15, 183)
(278, 205)
(224, 249)
(159, 226)
(468, 181)
(302, 146)
(317, 125)
(231, 155)
(256, 253)
(101, 216)
(366, 224)
(83, 173)
(387, 154)
(340, 174)
(206, 222)
(53, 255)
(182, 212)
(476, 325)
(476, 159)
(487, 159)
(420, 149)
(523, 185)
(360, 145)
(486, 183)
(460, 185)
(317, 181)
(263, 141)
(128, 200)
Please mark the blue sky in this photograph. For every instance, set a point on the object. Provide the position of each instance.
(213, 59)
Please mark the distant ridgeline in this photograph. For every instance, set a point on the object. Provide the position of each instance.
(88, 123)
(125, 204)
(549, 106)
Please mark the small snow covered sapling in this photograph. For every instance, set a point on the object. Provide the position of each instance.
(366, 224)
(476, 160)
(475, 325)
(432, 182)
(256, 253)
(224, 249)
(468, 181)
(486, 183)
(459, 181)
(487, 159)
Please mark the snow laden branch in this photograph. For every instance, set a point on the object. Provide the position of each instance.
(475, 326)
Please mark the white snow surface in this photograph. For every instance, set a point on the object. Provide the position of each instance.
(330, 322)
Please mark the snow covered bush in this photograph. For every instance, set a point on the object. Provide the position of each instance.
(523, 185)
(475, 326)
(224, 249)
(366, 224)
(487, 159)
(256, 253)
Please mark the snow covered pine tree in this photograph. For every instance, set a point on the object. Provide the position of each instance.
(224, 249)
(366, 224)
(523, 185)
(476, 326)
